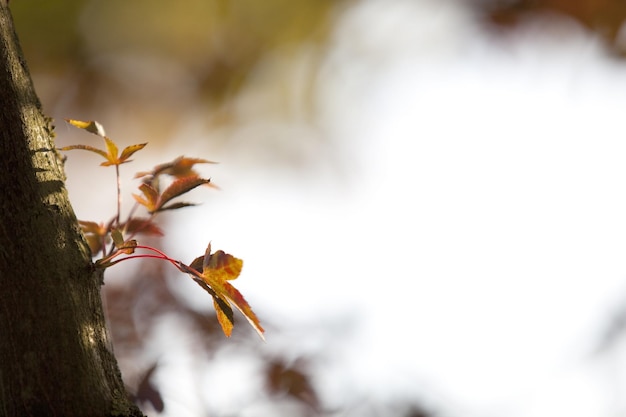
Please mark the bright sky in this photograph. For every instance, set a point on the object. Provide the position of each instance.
(473, 248)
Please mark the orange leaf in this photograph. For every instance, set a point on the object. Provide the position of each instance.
(183, 167)
(179, 187)
(150, 197)
(92, 227)
(129, 150)
(95, 234)
(180, 167)
(218, 268)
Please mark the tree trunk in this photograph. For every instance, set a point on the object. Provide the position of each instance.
(55, 355)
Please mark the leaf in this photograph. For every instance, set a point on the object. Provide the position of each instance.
(197, 264)
(91, 126)
(112, 150)
(217, 269)
(86, 148)
(111, 153)
(92, 227)
(124, 246)
(149, 199)
(183, 167)
(145, 226)
(226, 320)
(154, 202)
(177, 206)
(129, 151)
(179, 187)
(95, 233)
(147, 392)
(117, 237)
(224, 311)
(179, 168)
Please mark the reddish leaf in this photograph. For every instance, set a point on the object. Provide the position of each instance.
(197, 264)
(144, 226)
(179, 187)
(176, 206)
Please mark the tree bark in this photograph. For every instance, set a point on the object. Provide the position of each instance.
(55, 354)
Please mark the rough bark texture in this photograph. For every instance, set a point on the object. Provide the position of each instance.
(55, 357)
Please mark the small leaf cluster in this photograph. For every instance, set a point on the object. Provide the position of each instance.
(111, 151)
(116, 239)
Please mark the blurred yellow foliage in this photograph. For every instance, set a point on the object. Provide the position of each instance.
(216, 43)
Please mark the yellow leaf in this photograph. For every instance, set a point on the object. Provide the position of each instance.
(223, 319)
(91, 126)
(220, 267)
(129, 150)
(150, 197)
(112, 158)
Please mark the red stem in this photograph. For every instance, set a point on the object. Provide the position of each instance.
(160, 255)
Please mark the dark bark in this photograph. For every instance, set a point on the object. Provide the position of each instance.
(55, 356)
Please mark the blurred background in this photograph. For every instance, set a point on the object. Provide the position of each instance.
(428, 197)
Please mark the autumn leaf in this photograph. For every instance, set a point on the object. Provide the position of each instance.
(111, 153)
(86, 148)
(154, 202)
(175, 206)
(130, 150)
(124, 246)
(146, 226)
(179, 187)
(150, 197)
(179, 168)
(112, 156)
(91, 126)
(216, 270)
(95, 233)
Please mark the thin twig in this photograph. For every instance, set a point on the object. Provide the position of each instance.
(119, 195)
